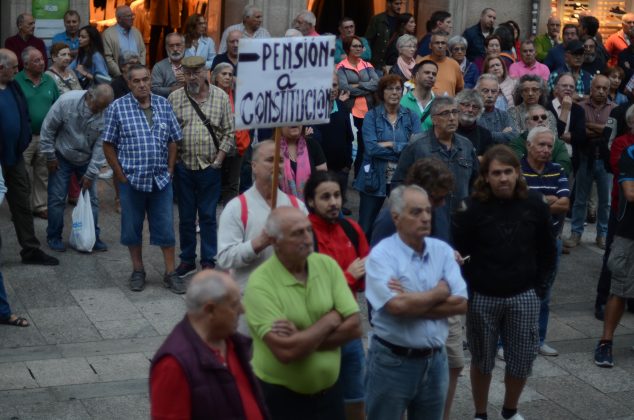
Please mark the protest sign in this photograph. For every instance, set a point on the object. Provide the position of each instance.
(284, 81)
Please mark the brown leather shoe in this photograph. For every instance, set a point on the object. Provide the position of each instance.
(41, 214)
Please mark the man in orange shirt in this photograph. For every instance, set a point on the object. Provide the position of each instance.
(449, 80)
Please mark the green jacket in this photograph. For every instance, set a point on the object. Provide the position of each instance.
(378, 35)
(409, 101)
(542, 46)
(560, 153)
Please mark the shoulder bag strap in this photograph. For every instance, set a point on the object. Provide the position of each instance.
(204, 119)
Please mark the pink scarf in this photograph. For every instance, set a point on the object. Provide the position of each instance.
(406, 68)
(294, 182)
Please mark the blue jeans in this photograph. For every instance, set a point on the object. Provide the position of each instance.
(394, 384)
(199, 192)
(587, 172)
(5, 309)
(544, 308)
(352, 371)
(159, 208)
(58, 182)
(369, 208)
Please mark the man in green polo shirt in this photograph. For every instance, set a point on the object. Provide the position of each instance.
(300, 311)
(40, 91)
(421, 97)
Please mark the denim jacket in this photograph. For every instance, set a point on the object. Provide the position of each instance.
(377, 128)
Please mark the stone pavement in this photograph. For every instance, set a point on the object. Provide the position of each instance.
(87, 352)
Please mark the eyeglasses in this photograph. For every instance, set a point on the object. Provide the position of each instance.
(356, 46)
(447, 113)
(472, 106)
(542, 117)
(457, 49)
(394, 89)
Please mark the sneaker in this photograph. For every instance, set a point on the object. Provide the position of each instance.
(546, 350)
(573, 240)
(517, 416)
(207, 266)
(99, 246)
(600, 241)
(185, 269)
(175, 283)
(56, 245)
(137, 281)
(38, 257)
(500, 354)
(603, 355)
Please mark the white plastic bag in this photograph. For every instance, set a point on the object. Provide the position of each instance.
(82, 236)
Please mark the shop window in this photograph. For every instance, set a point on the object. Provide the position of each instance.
(609, 12)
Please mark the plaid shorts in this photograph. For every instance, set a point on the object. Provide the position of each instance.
(621, 263)
(515, 319)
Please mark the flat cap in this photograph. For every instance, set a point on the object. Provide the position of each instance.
(574, 47)
(193, 62)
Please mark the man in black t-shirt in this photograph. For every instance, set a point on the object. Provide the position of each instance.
(621, 261)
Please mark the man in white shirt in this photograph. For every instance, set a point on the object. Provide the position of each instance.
(251, 27)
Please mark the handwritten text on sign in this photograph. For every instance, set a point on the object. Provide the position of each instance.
(284, 81)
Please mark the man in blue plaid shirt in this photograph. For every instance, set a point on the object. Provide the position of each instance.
(139, 142)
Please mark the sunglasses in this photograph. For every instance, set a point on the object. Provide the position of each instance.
(542, 117)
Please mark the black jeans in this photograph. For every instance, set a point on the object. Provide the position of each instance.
(285, 404)
(19, 198)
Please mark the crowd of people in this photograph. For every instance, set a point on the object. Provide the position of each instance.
(482, 143)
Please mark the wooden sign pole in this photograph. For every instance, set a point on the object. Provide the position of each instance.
(276, 169)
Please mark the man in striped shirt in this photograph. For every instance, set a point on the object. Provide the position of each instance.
(550, 179)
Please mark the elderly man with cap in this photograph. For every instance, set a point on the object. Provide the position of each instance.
(574, 61)
(204, 114)
(203, 367)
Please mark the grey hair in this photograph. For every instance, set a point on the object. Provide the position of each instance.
(534, 132)
(441, 102)
(25, 56)
(273, 226)
(308, 16)
(255, 148)
(120, 9)
(629, 116)
(5, 55)
(517, 92)
(404, 40)
(171, 34)
(457, 40)
(397, 204)
(101, 91)
(533, 107)
(487, 76)
(217, 70)
(470, 96)
(249, 9)
(127, 56)
(292, 33)
(211, 287)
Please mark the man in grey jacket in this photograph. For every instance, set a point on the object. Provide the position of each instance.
(70, 141)
(167, 74)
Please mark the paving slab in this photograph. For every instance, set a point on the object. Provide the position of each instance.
(109, 304)
(67, 324)
(121, 346)
(582, 366)
(16, 376)
(64, 410)
(580, 398)
(54, 372)
(544, 409)
(163, 314)
(128, 328)
(43, 289)
(120, 366)
(14, 337)
(127, 407)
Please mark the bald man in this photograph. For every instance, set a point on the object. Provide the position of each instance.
(620, 40)
(299, 319)
(203, 365)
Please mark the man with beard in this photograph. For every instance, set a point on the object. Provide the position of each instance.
(593, 62)
(506, 230)
(231, 55)
(420, 99)
(200, 157)
(167, 74)
(471, 107)
(139, 141)
(555, 58)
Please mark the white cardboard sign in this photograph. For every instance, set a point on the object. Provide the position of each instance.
(284, 81)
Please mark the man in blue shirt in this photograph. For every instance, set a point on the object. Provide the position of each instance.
(139, 142)
(413, 283)
(475, 34)
(70, 36)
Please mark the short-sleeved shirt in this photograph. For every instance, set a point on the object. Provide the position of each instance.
(273, 293)
(449, 80)
(141, 149)
(39, 99)
(551, 181)
(625, 216)
(519, 69)
(417, 272)
(73, 43)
